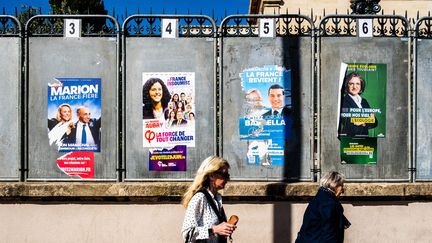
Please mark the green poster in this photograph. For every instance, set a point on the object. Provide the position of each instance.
(358, 150)
(363, 100)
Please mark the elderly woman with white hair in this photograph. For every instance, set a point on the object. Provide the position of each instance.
(324, 220)
(205, 219)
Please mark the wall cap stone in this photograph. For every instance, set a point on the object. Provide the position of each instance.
(172, 191)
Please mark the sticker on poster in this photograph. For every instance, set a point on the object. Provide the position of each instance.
(266, 152)
(169, 109)
(358, 150)
(266, 117)
(168, 159)
(362, 102)
(74, 114)
(80, 164)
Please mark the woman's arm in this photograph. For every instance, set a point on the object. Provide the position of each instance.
(193, 218)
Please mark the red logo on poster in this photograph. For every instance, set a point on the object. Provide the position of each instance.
(79, 164)
(149, 135)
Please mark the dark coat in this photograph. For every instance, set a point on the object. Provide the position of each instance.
(285, 113)
(94, 126)
(349, 129)
(323, 220)
(182, 122)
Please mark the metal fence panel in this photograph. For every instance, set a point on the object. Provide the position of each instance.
(388, 47)
(292, 49)
(86, 57)
(146, 51)
(423, 117)
(10, 99)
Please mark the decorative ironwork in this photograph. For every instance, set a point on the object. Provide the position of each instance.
(151, 25)
(92, 26)
(9, 26)
(423, 28)
(285, 25)
(346, 26)
(365, 6)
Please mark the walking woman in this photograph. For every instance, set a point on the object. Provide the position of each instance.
(205, 219)
(324, 220)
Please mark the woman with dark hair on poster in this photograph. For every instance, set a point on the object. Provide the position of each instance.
(354, 86)
(155, 99)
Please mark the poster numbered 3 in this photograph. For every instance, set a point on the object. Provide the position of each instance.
(365, 28)
(169, 28)
(267, 28)
(72, 28)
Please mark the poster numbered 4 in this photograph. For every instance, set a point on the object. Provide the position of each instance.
(169, 28)
(365, 28)
(267, 28)
(72, 28)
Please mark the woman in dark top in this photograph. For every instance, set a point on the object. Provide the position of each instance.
(324, 220)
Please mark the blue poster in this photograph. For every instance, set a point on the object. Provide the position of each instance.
(74, 114)
(266, 118)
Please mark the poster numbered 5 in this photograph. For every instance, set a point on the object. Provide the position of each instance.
(169, 28)
(72, 28)
(365, 28)
(267, 28)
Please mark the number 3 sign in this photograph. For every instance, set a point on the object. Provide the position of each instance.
(365, 28)
(72, 28)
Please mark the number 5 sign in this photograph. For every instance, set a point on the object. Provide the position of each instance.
(72, 28)
(267, 28)
(365, 28)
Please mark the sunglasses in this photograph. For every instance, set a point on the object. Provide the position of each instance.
(224, 175)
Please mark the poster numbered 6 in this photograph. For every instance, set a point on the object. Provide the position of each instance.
(72, 28)
(365, 28)
(267, 28)
(169, 28)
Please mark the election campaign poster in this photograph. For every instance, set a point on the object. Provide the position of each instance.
(168, 159)
(74, 114)
(363, 100)
(266, 118)
(358, 150)
(168, 109)
(79, 164)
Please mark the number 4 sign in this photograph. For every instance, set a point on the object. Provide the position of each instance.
(72, 28)
(169, 28)
(365, 28)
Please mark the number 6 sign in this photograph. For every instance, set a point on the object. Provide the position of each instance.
(365, 28)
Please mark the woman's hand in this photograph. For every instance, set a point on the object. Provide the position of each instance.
(224, 229)
(70, 125)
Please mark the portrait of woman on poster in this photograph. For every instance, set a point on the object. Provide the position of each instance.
(205, 219)
(60, 126)
(354, 85)
(171, 119)
(191, 119)
(155, 99)
(180, 107)
(175, 98)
